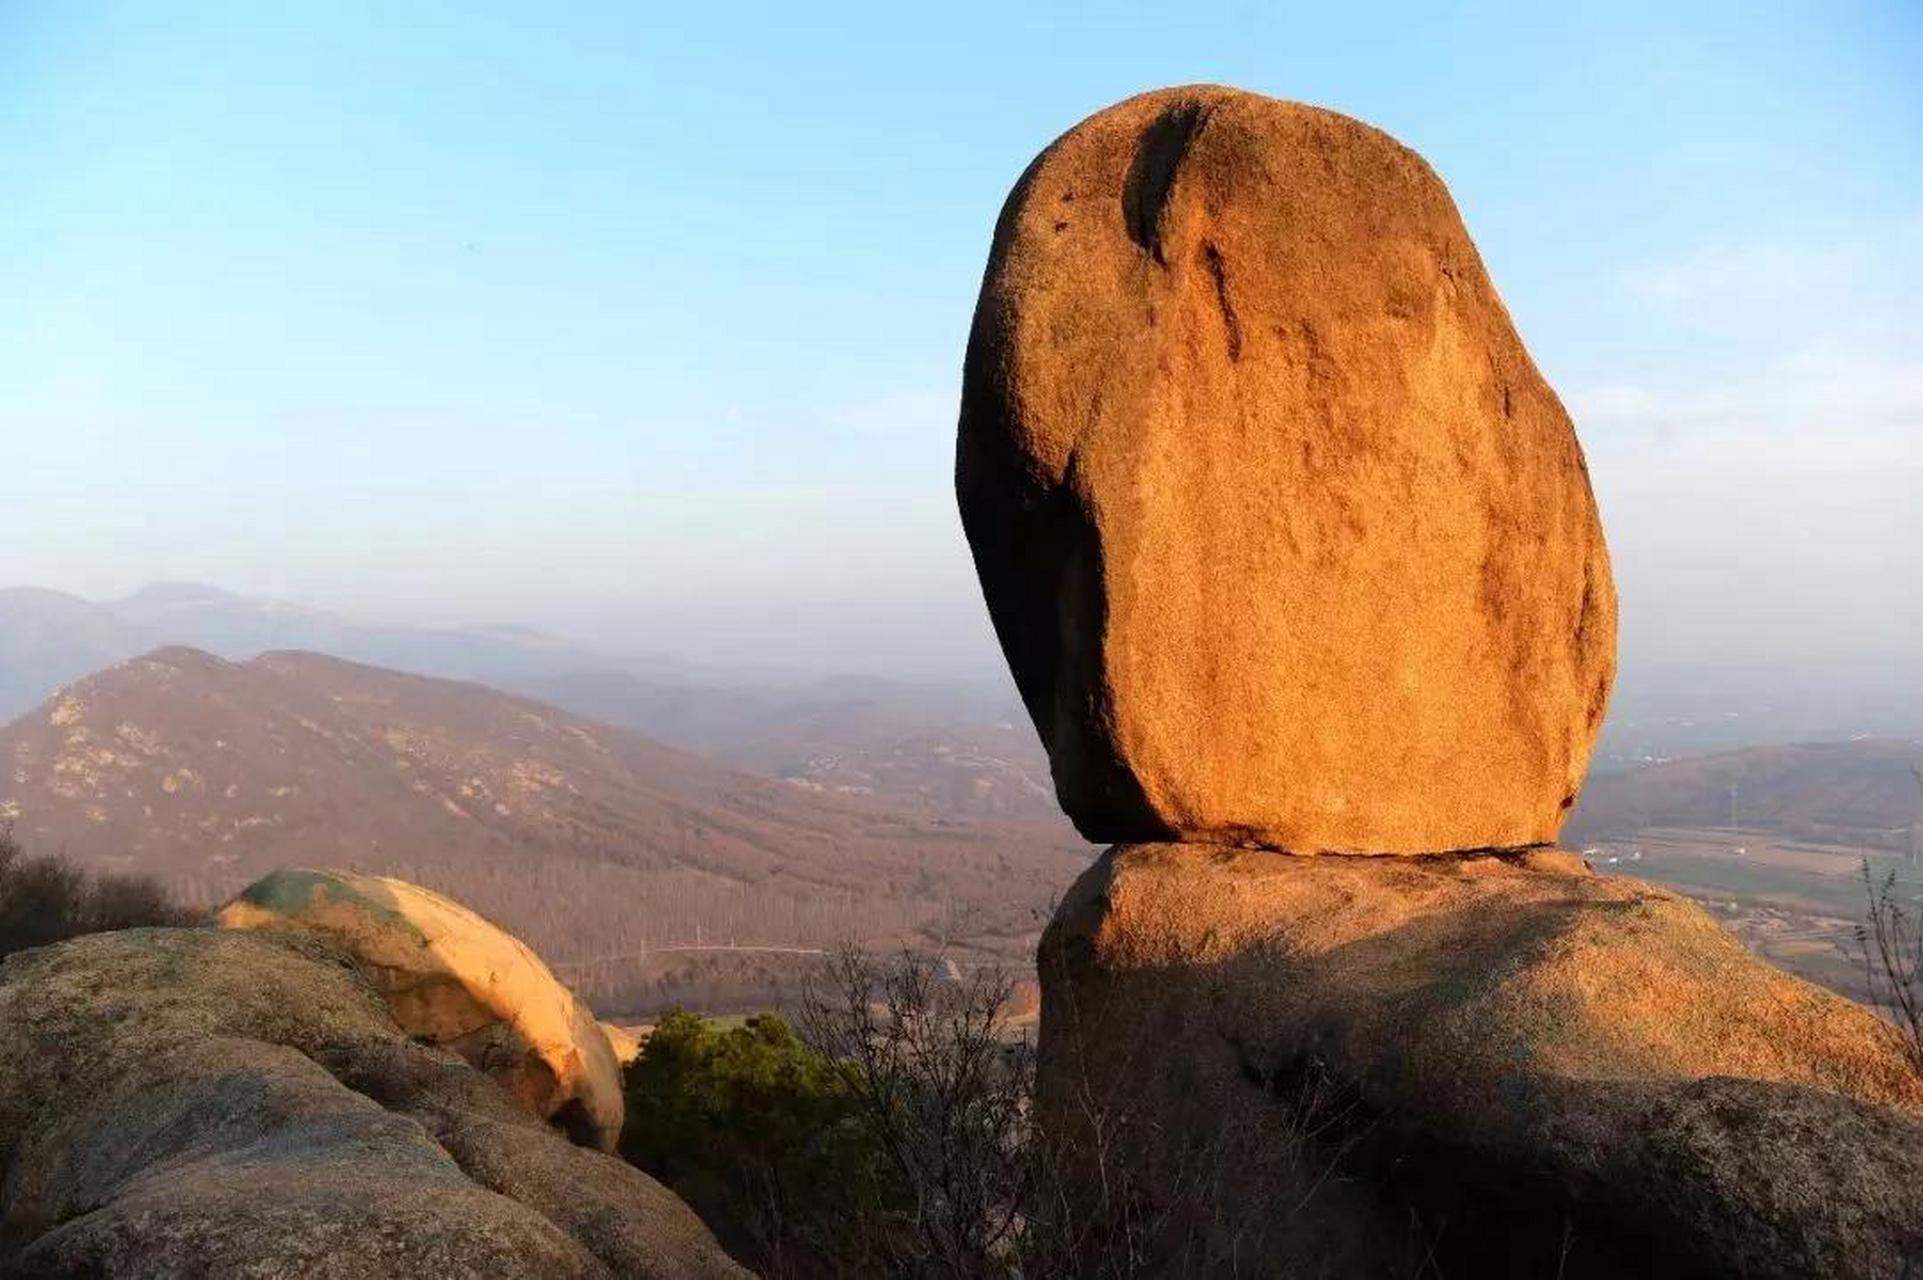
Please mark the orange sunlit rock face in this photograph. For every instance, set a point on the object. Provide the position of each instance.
(1286, 539)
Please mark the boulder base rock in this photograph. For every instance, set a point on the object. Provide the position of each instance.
(1285, 537)
(1505, 1066)
(453, 978)
(204, 1102)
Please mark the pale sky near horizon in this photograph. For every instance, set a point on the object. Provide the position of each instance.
(646, 324)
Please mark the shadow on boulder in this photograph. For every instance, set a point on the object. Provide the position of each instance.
(1541, 1071)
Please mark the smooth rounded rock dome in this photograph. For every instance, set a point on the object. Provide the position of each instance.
(455, 979)
(1286, 539)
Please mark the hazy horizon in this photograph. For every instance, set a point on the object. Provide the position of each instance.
(1665, 681)
(649, 331)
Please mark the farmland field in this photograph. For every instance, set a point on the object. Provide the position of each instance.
(1795, 902)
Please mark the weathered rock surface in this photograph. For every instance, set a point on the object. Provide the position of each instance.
(1286, 539)
(202, 1102)
(456, 979)
(1522, 1069)
(624, 1042)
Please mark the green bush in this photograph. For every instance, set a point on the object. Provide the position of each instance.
(758, 1132)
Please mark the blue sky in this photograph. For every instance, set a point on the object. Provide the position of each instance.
(646, 324)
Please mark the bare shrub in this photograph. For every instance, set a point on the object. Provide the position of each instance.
(1891, 942)
(46, 899)
(943, 1092)
(992, 1185)
(901, 1136)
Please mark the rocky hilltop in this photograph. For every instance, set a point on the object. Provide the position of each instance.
(1294, 558)
(1293, 555)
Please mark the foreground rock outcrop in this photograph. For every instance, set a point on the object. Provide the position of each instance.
(1285, 538)
(1292, 552)
(454, 978)
(1510, 1066)
(205, 1102)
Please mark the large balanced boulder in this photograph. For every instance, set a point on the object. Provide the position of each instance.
(1286, 539)
(1465, 1066)
(205, 1102)
(453, 978)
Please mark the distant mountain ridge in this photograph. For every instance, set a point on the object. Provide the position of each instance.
(1859, 793)
(908, 746)
(948, 748)
(48, 638)
(590, 841)
(941, 747)
(75, 636)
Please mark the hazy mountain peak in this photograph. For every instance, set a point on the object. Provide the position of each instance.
(182, 655)
(44, 596)
(176, 595)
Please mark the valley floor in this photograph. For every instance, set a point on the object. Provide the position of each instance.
(1796, 903)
